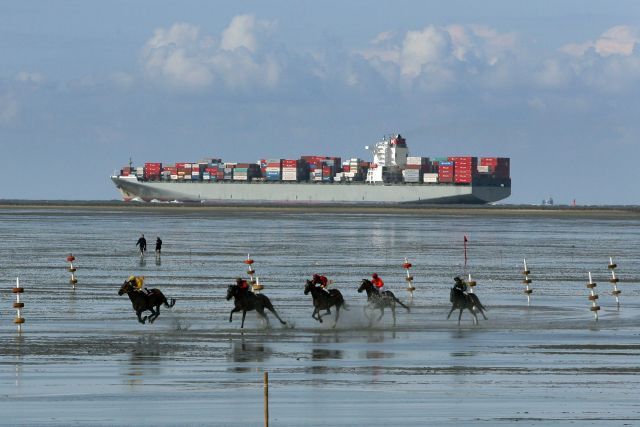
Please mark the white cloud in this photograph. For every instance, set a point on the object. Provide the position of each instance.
(618, 40)
(241, 32)
(553, 74)
(9, 109)
(181, 57)
(33, 78)
(429, 47)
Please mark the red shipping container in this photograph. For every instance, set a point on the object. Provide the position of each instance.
(346, 169)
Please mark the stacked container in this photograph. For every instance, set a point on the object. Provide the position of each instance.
(445, 171)
(152, 171)
(125, 171)
(273, 171)
(498, 166)
(415, 168)
(289, 170)
(466, 168)
(430, 178)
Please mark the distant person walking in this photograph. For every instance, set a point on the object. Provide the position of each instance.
(142, 242)
(158, 246)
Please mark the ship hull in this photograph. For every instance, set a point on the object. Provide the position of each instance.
(308, 193)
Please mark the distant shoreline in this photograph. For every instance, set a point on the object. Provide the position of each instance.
(417, 210)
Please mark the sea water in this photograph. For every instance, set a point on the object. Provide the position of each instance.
(83, 358)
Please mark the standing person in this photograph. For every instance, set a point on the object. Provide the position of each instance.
(158, 246)
(142, 242)
(377, 282)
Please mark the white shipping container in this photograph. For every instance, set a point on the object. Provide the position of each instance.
(240, 178)
(414, 160)
(289, 170)
(430, 177)
(174, 177)
(273, 169)
(483, 169)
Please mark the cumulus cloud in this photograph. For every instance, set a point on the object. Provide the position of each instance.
(182, 57)
(618, 40)
(434, 58)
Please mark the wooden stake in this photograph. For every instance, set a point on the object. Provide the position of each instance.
(266, 399)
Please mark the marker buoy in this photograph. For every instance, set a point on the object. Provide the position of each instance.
(255, 286)
(593, 297)
(614, 280)
(18, 305)
(73, 280)
(527, 281)
(410, 288)
(471, 283)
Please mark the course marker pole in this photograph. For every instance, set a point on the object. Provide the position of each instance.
(72, 270)
(410, 288)
(527, 282)
(593, 297)
(614, 280)
(18, 305)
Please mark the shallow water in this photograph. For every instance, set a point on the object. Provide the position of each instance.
(84, 359)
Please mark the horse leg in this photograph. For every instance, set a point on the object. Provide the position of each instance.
(381, 314)
(244, 314)
(460, 315)
(393, 313)
(453, 307)
(157, 312)
(140, 318)
(264, 316)
(482, 312)
(337, 315)
(275, 313)
(475, 317)
(235, 310)
(316, 315)
(153, 315)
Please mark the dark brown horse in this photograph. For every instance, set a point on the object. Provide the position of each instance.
(246, 300)
(378, 301)
(143, 301)
(324, 300)
(462, 300)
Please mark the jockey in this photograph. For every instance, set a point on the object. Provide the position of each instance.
(460, 284)
(377, 282)
(242, 284)
(320, 280)
(137, 282)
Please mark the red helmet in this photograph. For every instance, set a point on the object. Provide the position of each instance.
(374, 275)
(239, 281)
(316, 276)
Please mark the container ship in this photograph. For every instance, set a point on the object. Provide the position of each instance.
(391, 177)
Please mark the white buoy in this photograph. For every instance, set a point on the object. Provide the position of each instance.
(472, 284)
(72, 270)
(410, 288)
(593, 297)
(614, 281)
(18, 305)
(527, 282)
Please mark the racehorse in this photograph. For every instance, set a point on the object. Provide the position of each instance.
(324, 300)
(375, 300)
(143, 301)
(246, 300)
(462, 300)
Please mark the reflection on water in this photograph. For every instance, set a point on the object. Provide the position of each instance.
(144, 361)
(244, 352)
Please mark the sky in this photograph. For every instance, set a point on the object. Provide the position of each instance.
(554, 85)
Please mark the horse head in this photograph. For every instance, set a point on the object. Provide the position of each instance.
(231, 291)
(308, 287)
(125, 288)
(366, 284)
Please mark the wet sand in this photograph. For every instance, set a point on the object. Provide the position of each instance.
(83, 359)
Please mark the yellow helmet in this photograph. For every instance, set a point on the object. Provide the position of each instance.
(131, 278)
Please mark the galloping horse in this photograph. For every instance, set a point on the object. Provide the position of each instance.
(246, 300)
(142, 301)
(375, 300)
(324, 300)
(462, 300)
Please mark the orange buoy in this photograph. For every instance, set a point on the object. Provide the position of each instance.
(407, 265)
(18, 305)
(71, 258)
(17, 290)
(18, 320)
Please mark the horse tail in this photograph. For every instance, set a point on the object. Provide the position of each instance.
(476, 301)
(169, 304)
(400, 302)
